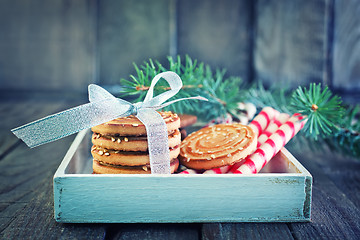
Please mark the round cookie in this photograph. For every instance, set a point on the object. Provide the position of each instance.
(132, 126)
(103, 168)
(126, 158)
(217, 146)
(128, 143)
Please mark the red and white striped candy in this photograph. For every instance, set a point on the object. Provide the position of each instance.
(255, 162)
(262, 120)
(273, 126)
(188, 171)
(219, 170)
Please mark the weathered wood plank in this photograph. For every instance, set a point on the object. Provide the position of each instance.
(10, 111)
(246, 231)
(344, 173)
(346, 60)
(47, 45)
(36, 219)
(153, 231)
(19, 113)
(342, 169)
(131, 31)
(23, 171)
(349, 182)
(22, 168)
(290, 42)
(334, 215)
(218, 33)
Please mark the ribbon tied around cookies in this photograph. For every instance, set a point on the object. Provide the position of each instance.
(104, 107)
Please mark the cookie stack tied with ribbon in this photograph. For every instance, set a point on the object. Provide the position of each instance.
(120, 146)
(217, 146)
(102, 109)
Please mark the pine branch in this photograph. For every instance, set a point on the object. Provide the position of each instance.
(323, 110)
(328, 123)
(342, 131)
(347, 138)
(198, 79)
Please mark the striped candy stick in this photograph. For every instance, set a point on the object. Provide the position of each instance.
(273, 126)
(255, 162)
(219, 170)
(188, 171)
(262, 120)
(258, 124)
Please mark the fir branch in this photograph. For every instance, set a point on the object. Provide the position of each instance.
(328, 123)
(274, 97)
(343, 124)
(323, 110)
(348, 135)
(198, 79)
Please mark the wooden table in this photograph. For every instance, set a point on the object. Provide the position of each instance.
(26, 195)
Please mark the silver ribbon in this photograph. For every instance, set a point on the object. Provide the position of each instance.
(104, 107)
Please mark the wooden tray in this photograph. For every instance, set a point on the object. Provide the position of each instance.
(281, 192)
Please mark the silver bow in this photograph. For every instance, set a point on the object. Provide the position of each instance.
(104, 107)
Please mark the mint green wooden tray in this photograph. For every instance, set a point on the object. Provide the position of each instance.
(281, 192)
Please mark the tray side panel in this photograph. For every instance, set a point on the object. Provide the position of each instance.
(181, 199)
(308, 196)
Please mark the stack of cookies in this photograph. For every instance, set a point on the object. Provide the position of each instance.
(217, 146)
(121, 146)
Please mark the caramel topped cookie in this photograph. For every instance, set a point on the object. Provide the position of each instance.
(217, 146)
(104, 168)
(121, 145)
(132, 126)
(130, 143)
(123, 158)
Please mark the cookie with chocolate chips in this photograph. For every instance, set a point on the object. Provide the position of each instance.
(217, 146)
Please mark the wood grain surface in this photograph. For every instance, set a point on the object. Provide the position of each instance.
(131, 32)
(218, 33)
(26, 197)
(346, 48)
(246, 231)
(290, 42)
(65, 45)
(330, 199)
(52, 47)
(47, 45)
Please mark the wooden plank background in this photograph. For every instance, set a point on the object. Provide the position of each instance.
(218, 33)
(65, 45)
(346, 62)
(47, 44)
(290, 42)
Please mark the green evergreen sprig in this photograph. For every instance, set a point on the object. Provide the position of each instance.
(345, 131)
(347, 138)
(327, 120)
(198, 79)
(322, 109)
